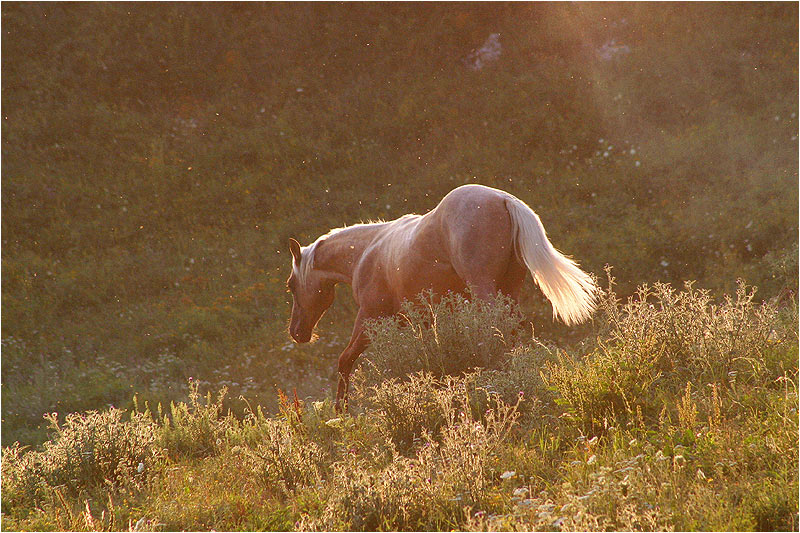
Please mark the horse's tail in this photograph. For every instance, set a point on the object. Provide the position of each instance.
(572, 291)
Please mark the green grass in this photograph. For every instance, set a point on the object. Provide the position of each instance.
(157, 158)
(625, 437)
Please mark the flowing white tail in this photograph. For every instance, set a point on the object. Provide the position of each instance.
(572, 291)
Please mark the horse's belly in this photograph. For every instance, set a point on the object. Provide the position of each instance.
(437, 276)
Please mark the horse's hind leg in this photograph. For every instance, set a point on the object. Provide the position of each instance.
(481, 246)
(491, 271)
(511, 286)
(511, 282)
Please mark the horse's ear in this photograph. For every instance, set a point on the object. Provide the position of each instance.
(294, 247)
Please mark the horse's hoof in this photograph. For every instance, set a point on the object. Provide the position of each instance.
(340, 407)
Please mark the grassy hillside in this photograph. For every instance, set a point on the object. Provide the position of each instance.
(683, 415)
(156, 158)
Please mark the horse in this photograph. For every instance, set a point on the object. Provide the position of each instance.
(477, 237)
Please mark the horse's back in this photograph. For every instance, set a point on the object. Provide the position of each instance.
(473, 192)
(466, 239)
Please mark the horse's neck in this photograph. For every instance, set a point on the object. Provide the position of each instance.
(338, 254)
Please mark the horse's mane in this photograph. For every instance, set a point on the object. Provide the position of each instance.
(307, 261)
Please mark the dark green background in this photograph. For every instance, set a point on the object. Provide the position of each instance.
(156, 158)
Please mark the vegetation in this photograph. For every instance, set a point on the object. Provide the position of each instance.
(693, 426)
(156, 158)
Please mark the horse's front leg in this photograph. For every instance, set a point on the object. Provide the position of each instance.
(358, 343)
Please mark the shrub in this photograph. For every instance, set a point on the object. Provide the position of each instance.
(405, 411)
(284, 457)
(443, 336)
(89, 451)
(662, 339)
(292, 450)
(522, 379)
(605, 386)
(686, 333)
(443, 473)
(197, 428)
(468, 447)
(398, 497)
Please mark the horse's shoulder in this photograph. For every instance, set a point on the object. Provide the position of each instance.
(370, 261)
(369, 275)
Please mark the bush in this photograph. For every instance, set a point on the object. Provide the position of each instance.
(195, 429)
(450, 465)
(660, 341)
(685, 333)
(625, 438)
(291, 451)
(88, 452)
(285, 458)
(444, 336)
(406, 411)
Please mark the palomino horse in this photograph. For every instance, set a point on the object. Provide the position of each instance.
(477, 236)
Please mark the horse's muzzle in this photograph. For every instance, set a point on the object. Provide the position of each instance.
(299, 335)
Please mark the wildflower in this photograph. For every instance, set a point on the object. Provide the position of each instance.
(527, 502)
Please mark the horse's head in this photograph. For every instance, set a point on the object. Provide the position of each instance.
(312, 294)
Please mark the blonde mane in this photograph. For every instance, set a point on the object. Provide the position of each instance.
(303, 270)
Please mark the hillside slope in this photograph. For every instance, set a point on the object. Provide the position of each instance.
(681, 415)
(156, 158)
